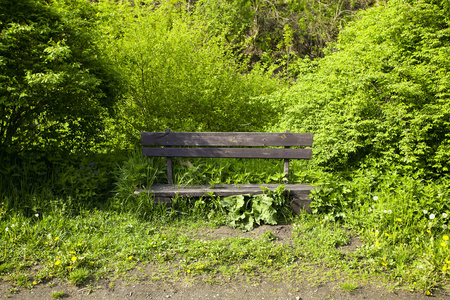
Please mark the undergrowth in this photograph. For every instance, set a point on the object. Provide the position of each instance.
(401, 221)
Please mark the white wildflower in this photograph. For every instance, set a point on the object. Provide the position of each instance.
(375, 198)
(444, 226)
(444, 215)
(36, 215)
(12, 225)
(370, 210)
(389, 211)
(7, 229)
(385, 211)
(432, 216)
(425, 211)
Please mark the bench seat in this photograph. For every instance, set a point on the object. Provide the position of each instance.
(163, 193)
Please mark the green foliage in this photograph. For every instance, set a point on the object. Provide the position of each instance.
(79, 276)
(58, 294)
(137, 172)
(277, 32)
(55, 86)
(78, 181)
(245, 211)
(380, 96)
(179, 76)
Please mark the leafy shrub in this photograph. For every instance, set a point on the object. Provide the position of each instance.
(55, 87)
(380, 96)
(180, 77)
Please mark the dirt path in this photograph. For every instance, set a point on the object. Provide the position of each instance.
(231, 290)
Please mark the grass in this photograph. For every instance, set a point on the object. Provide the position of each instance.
(348, 286)
(402, 224)
(58, 294)
(98, 244)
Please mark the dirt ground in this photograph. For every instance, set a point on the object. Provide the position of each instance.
(225, 289)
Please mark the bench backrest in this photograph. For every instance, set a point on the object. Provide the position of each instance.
(207, 144)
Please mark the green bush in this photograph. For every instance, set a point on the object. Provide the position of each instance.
(179, 76)
(56, 88)
(380, 96)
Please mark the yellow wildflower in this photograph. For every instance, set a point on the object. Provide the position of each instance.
(443, 244)
(74, 258)
(189, 271)
(34, 282)
(57, 262)
(445, 237)
(56, 238)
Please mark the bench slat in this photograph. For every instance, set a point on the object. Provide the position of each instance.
(285, 153)
(168, 190)
(252, 139)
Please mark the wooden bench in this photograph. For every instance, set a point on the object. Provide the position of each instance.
(228, 145)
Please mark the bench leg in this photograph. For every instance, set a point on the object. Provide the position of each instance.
(299, 203)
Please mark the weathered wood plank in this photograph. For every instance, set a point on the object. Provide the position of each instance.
(251, 139)
(229, 153)
(223, 190)
(298, 193)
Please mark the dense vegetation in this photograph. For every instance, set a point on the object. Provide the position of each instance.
(79, 80)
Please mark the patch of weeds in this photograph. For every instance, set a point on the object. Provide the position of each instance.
(268, 236)
(21, 280)
(59, 294)
(247, 211)
(79, 276)
(5, 267)
(348, 286)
